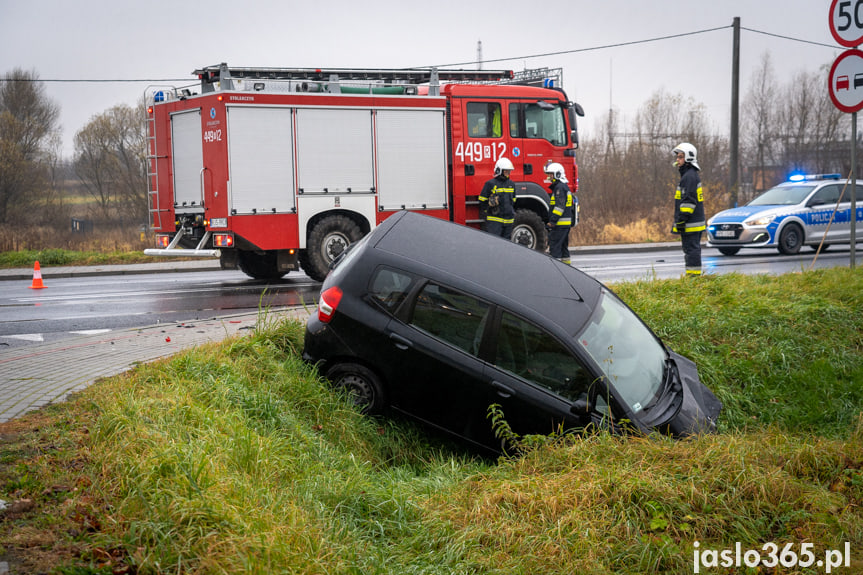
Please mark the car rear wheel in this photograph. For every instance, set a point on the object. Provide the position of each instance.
(728, 251)
(790, 239)
(529, 230)
(362, 386)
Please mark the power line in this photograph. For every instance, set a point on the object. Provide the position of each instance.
(790, 38)
(543, 55)
(593, 48)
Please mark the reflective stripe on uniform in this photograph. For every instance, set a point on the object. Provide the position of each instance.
(482, 198)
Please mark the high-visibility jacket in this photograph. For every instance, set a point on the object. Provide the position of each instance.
(504, 189)
(689, 202)
(563, 205)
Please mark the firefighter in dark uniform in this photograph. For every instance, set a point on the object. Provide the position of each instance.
(689, 220)
(564, 212)
(497, 201)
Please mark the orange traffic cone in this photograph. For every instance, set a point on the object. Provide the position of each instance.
(37, 277)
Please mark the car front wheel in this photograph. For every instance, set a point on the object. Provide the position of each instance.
(362, 386)
(728, 251)
(790, 239)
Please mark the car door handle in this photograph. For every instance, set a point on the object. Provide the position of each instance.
(502, 390)
(400, 342)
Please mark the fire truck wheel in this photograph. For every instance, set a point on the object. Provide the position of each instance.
(327, 240)
(529, 230)
(261, 266)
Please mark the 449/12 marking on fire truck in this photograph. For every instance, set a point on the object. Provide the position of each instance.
(213, 136)
(477, 151)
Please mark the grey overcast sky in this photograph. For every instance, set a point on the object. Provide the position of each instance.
(121, 40)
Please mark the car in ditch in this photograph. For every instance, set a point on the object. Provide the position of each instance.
(439, 322)
(812, 210)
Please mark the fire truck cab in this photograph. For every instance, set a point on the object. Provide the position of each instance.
(275, 169)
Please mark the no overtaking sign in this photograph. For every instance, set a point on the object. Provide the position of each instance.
(846, 81)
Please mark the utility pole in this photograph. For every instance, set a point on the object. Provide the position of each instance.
(734, 176)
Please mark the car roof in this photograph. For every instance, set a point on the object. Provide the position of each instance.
(531, 283)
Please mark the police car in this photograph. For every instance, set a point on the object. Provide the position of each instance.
(802, 211)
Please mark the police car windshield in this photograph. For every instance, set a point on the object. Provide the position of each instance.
(627, 352)
(783, 195)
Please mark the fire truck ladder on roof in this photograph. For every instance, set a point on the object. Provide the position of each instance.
(223, 76)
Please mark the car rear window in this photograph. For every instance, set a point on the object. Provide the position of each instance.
(390, 287)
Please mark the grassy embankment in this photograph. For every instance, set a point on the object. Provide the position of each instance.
(236, 458)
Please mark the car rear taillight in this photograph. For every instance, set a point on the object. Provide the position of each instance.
(329, 302)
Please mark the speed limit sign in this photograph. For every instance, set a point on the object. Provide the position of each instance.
(846, 22)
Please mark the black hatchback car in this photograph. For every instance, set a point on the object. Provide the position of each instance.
(440, 321)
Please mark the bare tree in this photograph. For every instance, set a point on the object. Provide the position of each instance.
(94, 163)
(28, 118)
(632, 182)
(110, 160)
(760, 117)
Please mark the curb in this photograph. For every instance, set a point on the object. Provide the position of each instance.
(213, 265)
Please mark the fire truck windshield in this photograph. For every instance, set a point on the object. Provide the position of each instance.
(545, 122)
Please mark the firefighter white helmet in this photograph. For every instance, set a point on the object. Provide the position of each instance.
(556, 172)
(690, 154)
(501, 165)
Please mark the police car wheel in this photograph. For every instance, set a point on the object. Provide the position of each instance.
(790, 239)
(728, 251)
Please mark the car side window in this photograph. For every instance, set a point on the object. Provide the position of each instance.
(514, 130)
(527, 351)
(457, 318)
(390, 287)
(484, 120)
(830, 195)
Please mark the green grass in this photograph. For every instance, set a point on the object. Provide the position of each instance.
(60, 257)
(237, 458)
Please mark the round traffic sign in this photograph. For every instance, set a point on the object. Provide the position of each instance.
(846, 22)
(846, 81)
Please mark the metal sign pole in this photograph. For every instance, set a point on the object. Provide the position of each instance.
(853, 188)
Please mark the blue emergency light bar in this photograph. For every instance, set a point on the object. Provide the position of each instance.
(813, 177)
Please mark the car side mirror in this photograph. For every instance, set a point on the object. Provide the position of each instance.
(579, 407)
(815, 202)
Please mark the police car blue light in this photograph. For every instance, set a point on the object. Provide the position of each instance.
(803, 211)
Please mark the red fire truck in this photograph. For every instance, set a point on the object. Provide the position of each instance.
(271, 169)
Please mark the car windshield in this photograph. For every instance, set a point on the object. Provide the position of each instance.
(545, 122)
(629, 355)
(783, 196)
